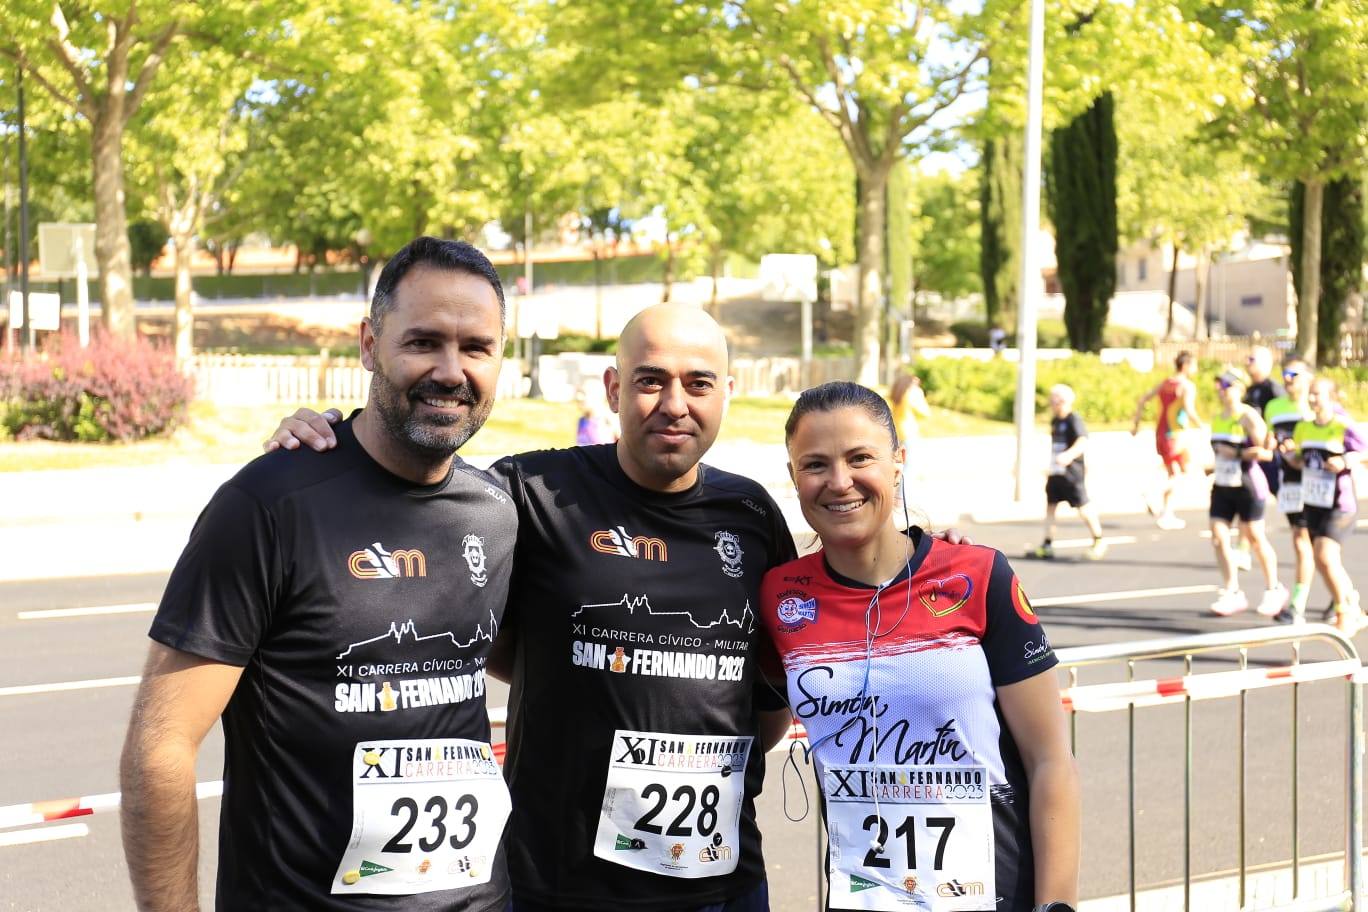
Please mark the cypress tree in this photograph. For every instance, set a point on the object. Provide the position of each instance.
(1083, 206)
(1000, 243)
(1342, 252)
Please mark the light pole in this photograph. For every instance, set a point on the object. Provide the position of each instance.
(1029, 283)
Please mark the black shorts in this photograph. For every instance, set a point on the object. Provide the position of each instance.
(1326, 523)
(1297, 520)
(1060, 489)
(1228, 503)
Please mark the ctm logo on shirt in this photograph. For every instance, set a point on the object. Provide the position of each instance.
(622, 543)
(375, 562)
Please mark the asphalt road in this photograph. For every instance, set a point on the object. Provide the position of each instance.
(66, 743)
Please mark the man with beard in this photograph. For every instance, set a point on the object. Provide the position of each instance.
(337, 612)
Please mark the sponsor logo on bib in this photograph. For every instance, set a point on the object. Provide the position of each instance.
(858, 883)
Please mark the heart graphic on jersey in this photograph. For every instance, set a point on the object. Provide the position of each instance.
(942, 596)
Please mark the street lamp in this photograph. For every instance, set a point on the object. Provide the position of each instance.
(1029, 284)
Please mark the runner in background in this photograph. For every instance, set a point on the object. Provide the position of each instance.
(1325, 449)
(1240, 491)
(926, 684)
(1065, 484)
(908, 400)
(597, 423)
(1281, 414)
(1177, 397)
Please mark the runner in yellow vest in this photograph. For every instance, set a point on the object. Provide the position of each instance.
(1325, 449)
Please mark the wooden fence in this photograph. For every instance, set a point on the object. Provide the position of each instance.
(1235, 349)
(266, 379)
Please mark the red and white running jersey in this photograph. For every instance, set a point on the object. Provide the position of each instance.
(926, 797)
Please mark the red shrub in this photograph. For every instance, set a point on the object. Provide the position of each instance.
(115, 389)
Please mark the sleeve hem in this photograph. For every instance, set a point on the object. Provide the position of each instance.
(199, 645)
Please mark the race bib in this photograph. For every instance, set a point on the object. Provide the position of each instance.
(1318, 488)
(1290, 496)
(1228, 473)
(427, 815)
(1057, 448)
(927, 843)
(672, 805)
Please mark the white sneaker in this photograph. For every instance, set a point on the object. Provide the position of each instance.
(1228, 602)
(1273, 600)
(1241, 559)
(1169, 523)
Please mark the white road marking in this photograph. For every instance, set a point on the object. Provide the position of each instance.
(44, 834)
(1122, 595)
(1362, 523)
(138, 608)
(1087, 542)
(25, 689)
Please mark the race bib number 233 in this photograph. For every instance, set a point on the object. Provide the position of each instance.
(427, 814)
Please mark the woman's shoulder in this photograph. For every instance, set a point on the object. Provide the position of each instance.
(805, 568)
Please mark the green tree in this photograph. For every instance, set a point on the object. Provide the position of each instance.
(1000, 230)
(868, 68)
(1342, 238)
(946, 241)
(185, 149)
(147, 239)
(1302, 117)
(100, 65)
(1083, 207)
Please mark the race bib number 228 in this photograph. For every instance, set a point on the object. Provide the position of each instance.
(672, 803)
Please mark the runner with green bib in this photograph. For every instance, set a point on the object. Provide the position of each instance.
(1326, 448)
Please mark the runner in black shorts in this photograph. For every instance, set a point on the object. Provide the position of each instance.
(1065, 484)
(1281, 414)
(1326, 448)
(1239, 490)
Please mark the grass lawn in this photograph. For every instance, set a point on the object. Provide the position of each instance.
(233, 434)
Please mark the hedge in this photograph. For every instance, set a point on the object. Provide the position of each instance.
(1106, 393)
(115, 389)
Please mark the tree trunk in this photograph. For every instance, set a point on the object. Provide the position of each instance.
(869, 288)
(598, 290)
(1172, 292)
(112, 251)
(715, 269)
(668, 280)
(185, 310)
(1308, 296)
(1199, 277)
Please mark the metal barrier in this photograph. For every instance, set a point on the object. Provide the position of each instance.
(1133, 693)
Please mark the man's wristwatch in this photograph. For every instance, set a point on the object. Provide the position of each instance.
(1054, 907)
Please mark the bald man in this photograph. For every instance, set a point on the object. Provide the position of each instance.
(637, 720)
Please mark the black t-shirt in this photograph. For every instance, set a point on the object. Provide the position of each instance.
(362, 608)
(636, 684)
(1261, 393)
(1064, 433)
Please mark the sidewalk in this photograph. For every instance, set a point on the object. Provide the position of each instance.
(123, 520)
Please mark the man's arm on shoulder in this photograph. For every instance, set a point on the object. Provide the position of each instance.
(180, 698)
(305, 428)
(774, 727)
